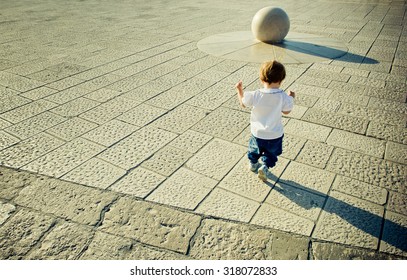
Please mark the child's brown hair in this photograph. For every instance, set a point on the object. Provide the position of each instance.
(272, 72)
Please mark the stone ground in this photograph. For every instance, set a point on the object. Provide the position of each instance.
(120, 139)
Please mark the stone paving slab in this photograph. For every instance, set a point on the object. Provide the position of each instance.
(157, 226)
(357, 143)
(368, 169)
(28, 150)
(65, 241)
(350, 221)
(21, 232)
(66, 200)
(185, 189)
(111, 247)
(220, 240)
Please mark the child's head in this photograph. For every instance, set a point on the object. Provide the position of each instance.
(272, 72)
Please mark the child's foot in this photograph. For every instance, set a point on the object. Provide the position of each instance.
(264, 173)
(254, 166)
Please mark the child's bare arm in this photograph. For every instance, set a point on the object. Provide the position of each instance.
(292, 94)
(239, 89)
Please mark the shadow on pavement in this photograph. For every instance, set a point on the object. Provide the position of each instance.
(393, 233)
(325, 52)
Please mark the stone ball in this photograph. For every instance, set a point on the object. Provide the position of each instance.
(270, 25)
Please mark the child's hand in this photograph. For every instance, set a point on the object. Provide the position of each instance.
(239, 86)
(292, 94)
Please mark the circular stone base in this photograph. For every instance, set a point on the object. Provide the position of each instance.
(295, 48)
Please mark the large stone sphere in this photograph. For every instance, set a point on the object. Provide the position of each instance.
(270, 25)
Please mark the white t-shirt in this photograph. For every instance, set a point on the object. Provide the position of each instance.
(267, 105)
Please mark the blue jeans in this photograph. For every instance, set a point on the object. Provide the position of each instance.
(268, 150)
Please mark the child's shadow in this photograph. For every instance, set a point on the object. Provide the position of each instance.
(388, 231)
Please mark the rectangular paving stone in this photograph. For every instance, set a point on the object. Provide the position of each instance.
(388, 132)
(332, 251)
(369, 169)
(357, 143)
(349, 220)
(378, 115)
(4, 124)
(39, 93)
(100, 82)
(19, 83)
(72, 128)
(349, 123)
(360, 189)
(27, 111)
(172, 97)
(386, 93)
(109, 110)
(96, 173)
(228, 241)
(355, 72)
(396, 152)
(181, 118)
(142, 115)
(213, 97)
(327, 105)
(308, 178)
(216, 159)
(65, 200)
(292, 145)
(227, 205)
(137, 147)
(34, 125)
(327, 75)
(12, 102)
(394, 234)
(7, 140)
(21, 232)
(397, 203)
(139, 182)
(302, 203)
(67, 95)
(110, 247)
(127, 83)
(307, 130)
(185, 189)
(315, 154)
(65, 241)
(64, 83)
(75, 107)
(167, 160)
(110, 132)
(102, 95)
(310, 90)
(243, 182)
(191, 141)
(223, 123)
(347, 87)
(276, 218)
(28, 150)
(137, 219)
(349, 97)
(305, 100)
(65, 158)
(146, 92)
(388, 105)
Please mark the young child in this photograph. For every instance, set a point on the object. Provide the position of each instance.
(265, 119)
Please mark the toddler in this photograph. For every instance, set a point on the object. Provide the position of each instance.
(266, 126)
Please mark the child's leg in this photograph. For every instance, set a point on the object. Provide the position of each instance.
(273, 149)
(253, 152)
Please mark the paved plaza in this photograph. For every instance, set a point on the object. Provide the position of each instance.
(121, 139)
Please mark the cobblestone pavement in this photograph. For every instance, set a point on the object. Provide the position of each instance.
(120, 139)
